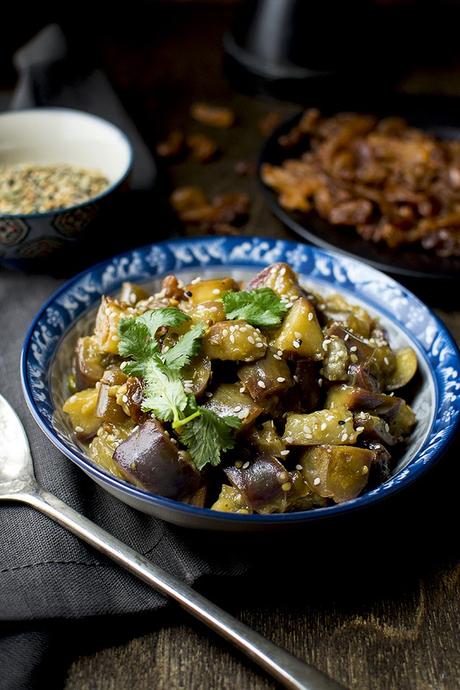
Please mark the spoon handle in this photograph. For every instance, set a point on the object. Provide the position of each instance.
(289, 671)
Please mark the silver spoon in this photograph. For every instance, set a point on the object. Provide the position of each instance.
(18, 483)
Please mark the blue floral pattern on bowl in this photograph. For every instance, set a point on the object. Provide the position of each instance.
(397, 307)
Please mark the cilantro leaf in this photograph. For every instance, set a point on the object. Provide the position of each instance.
(165, 316)
(260, 307)
(137, 336)
(207, 436)
(186, 347)
(164, 393)
(135, 340)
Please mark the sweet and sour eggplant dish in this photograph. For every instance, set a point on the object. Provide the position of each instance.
(266, 398)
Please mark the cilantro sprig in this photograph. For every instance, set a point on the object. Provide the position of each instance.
(201, 431)
(260, 307)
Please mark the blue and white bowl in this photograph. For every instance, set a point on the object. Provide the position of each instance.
(52, 136)
(70, 312)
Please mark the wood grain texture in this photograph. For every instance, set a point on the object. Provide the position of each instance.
(375, 605)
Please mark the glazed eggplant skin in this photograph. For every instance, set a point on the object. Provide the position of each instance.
(149, 459)
(265, 377)
(263, 482)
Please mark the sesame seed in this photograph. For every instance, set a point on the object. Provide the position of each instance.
(323, 426)
(114, 337)
(299, 467)
(310, 316)
(316, 481)
(243, 414)
(277, 357)
(326, 343)
(346, 336)
(288, 439)
(296, 343)
(320, 382)
(287, 486)
(132, 298)
(353, 358)
(242, 389)
(225, 332)
(232, 339)
(238, 408)
(259, 344)
(344, 437)
(261, 384)
(281, 379)
(123, 364)
(195, 280)
(359, 429)
(297, 334)
(246, 465)
(385, 359)
(216, 291)
(78, 429)
(125, 398)
(209, 395)
(285, 452)
(353, 348)
(365, 469)
(251, 340)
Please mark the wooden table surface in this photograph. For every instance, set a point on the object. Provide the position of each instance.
(381, 609)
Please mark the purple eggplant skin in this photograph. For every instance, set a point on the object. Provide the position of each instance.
(150, 460)
(264, 482)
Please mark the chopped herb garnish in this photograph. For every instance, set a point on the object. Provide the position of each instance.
(201, 431)
(260, 307)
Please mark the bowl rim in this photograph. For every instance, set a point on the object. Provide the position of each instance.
(108, 190)
(379, 493)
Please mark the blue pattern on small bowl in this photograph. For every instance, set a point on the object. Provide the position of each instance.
(408, 320)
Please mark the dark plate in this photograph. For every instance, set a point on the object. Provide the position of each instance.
(439, 115)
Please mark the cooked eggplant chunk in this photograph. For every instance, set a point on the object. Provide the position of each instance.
(207, 312)
(231, 501)
(150, 460)
(81, 408)
(108, 317)
(233, 341)
(228, 401)
(267, 376)
(281, 279)
(263, 482)
(398, 415)
(404, 370)
(103, 445)
(209, 290)
(325, 426)
(88, 363)
(267, 439)
(285, 407)
(300, 333)
(337, 472)
(196, 375)
(356, 319)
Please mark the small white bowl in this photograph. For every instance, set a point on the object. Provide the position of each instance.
(49, 136)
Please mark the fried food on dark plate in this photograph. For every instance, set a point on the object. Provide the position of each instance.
(391, 182)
